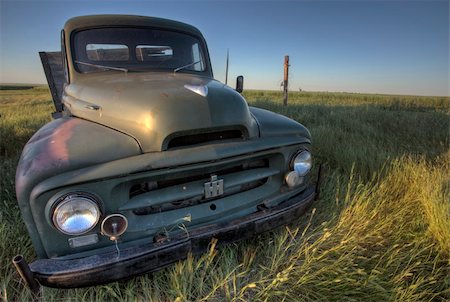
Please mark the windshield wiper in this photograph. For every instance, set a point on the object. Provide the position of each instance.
(185, 66)
(102, 66)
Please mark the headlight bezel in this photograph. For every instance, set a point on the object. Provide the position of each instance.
(295, 156)
(67, 198)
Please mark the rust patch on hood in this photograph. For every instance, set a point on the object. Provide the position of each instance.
(54, 151)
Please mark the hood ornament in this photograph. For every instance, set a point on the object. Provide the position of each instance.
(198, 89)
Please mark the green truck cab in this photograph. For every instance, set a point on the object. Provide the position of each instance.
(148, 158)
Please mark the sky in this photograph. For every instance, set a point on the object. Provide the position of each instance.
(392, 47)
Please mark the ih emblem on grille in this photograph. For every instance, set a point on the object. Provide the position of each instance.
(214, 187)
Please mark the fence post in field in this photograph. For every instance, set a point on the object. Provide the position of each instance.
(285, 82)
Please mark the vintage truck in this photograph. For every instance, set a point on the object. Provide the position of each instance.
(148, 158)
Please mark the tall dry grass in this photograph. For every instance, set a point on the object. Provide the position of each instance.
(379, 232)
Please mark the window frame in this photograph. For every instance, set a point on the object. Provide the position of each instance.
(204, 48)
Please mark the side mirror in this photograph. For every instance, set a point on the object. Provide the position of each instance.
(240, 84)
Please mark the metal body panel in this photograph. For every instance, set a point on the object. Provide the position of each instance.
(54, 73)
(272, 124)
(153, 106)
(111, 182)
(159, 160)
(63, 145)
(98, 21)
(122, 141)
(148, 257)
(192, 189)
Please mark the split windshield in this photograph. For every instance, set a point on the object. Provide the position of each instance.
(137, 49)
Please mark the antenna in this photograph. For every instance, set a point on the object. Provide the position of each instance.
(226, 69)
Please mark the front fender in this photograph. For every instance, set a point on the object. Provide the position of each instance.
(60, 146)
(272, 124)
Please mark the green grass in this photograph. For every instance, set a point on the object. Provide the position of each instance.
(379, 232)
(11, 86)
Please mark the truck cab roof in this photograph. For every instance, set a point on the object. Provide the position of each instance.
(93, 21)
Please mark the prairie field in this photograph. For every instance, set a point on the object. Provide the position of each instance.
(380, 230)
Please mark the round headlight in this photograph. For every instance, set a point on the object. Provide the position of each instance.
(302, 163)
(76, 214)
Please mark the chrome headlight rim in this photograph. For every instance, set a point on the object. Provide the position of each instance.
(68, 197)
(295, 156)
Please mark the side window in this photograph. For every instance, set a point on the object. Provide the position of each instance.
(107, 52)
(197, 56)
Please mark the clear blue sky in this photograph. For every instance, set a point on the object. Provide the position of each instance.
(399, 47)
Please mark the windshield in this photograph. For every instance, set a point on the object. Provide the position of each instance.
(137, 49)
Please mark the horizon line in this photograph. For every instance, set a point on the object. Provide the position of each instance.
(275, 90)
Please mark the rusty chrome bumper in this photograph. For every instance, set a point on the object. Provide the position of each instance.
(111, 266)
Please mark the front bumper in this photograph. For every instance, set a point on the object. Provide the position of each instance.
(111, 266)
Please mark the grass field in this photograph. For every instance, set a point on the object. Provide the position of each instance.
(379, 232)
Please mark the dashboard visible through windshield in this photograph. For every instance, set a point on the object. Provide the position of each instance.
(137, 49)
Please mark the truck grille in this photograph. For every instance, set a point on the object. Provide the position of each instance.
(157, 196)
(180, 140)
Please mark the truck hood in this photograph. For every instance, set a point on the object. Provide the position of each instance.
(156, 107)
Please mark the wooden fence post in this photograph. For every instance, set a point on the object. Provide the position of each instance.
(285, 82)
